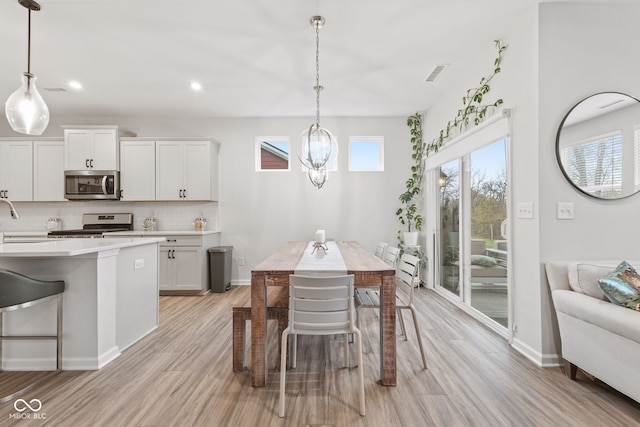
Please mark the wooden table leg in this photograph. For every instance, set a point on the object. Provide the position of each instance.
(388, 331)
(258, 324)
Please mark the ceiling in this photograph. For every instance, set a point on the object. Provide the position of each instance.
(254, 58)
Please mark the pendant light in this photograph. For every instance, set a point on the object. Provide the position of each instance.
(317, 146)
(25, 109)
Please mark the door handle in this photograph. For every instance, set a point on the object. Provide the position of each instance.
(86, 163)
(91, 163)
(173, 254)
(184, 192)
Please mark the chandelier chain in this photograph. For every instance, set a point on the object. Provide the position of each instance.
(317, 76)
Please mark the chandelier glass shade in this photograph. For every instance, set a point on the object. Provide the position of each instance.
(25, 109)
(318, 147)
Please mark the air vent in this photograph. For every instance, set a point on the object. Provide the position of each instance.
(55, 89)
(436, 72)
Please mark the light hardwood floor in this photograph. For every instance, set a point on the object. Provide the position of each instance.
(181, 375)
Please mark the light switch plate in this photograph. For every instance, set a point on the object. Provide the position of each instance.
(564, 211)
(525, 210)
(139, 263)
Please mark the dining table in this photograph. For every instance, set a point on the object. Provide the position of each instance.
(302, 258)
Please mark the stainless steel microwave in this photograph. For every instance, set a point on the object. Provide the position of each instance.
(92, 185)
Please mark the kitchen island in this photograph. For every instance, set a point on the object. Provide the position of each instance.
(110, 300)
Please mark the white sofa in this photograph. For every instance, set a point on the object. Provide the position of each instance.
(601, 338)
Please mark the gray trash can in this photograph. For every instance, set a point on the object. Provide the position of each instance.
(220, 268)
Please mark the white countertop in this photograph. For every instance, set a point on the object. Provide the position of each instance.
(71, 247)
(163, 233)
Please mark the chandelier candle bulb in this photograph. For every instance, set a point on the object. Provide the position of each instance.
(320, 236)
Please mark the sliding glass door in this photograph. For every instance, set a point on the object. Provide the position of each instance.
(472, 231)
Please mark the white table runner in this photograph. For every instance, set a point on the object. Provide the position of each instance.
(321, 264)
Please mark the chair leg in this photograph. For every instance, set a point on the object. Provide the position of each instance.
(283, 368)
(58, 335)
(346, 351)
(294, 351)
(415, 322)
(403, 330)
(358, 339)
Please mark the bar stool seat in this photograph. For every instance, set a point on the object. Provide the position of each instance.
(19, 291)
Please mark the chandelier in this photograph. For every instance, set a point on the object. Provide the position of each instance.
(25, 109)
(318, 147)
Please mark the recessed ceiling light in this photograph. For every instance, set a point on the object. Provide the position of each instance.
(196, 86)
(75, 85)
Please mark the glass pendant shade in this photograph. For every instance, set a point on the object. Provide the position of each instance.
(26, 110)
(318, 147)
(318, 176)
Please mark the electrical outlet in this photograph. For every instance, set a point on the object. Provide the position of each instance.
(525, 210)
(139, 263)
(564, 210)
(241, 261)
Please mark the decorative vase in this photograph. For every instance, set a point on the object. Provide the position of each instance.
(410, 238)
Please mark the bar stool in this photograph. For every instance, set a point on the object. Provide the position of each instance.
(18, 291)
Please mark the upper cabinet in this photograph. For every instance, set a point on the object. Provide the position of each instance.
(186, 170)
(138, 170)
(16, 170)
(48, 171)
(91, 147)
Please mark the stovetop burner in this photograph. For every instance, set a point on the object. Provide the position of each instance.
(93, 225)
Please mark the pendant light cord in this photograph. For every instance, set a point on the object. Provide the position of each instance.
(29, 44)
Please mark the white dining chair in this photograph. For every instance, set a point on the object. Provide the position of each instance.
(321, 306)
(406, 272)
(380, 249)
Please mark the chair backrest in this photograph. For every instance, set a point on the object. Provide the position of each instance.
(406, 272)
(380, 248)
(391, 256)
(321, 305)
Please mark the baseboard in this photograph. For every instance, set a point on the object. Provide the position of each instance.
(541, 360)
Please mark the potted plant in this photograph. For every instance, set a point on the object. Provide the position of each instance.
(408, 213)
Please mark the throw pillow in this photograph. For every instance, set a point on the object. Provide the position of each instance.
(622, 286)
(483, 260)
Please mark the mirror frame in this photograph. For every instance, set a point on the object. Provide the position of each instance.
(559, 159)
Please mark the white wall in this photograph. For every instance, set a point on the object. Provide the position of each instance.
(584, 49)
(260, 211)
(517, 85)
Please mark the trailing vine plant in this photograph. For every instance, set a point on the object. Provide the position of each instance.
(408, 214)
(472, 105)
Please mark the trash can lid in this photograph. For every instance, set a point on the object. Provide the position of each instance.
(221, 249)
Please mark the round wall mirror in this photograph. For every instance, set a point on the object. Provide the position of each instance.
(598, 146)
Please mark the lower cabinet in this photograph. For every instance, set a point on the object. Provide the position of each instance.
(184, 264)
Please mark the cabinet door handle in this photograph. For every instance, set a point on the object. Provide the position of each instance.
(169, 254)
(171, 240)
(91, 163)
(2, 196)
(86, 163)
(173, 254)
(185, 193)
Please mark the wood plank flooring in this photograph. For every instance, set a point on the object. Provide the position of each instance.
(181, 375)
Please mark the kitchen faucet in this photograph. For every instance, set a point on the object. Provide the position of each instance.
(12, 209)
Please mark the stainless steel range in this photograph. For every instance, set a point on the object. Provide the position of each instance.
(94, 224)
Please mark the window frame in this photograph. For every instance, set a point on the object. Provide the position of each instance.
(359, 139)
(259, 140)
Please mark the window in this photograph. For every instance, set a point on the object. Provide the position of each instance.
(595, 164)
(272, 153)
(366, 153)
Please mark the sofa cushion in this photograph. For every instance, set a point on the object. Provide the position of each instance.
(621, 286)
(583, 278)
(483, 260)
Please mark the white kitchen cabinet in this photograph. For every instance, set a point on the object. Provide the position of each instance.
(91, 147)
(137, 170)
(186, 170)
(48, 171)
(16, 170)
(184, 264)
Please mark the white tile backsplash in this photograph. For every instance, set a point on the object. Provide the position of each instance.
(171, 216)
